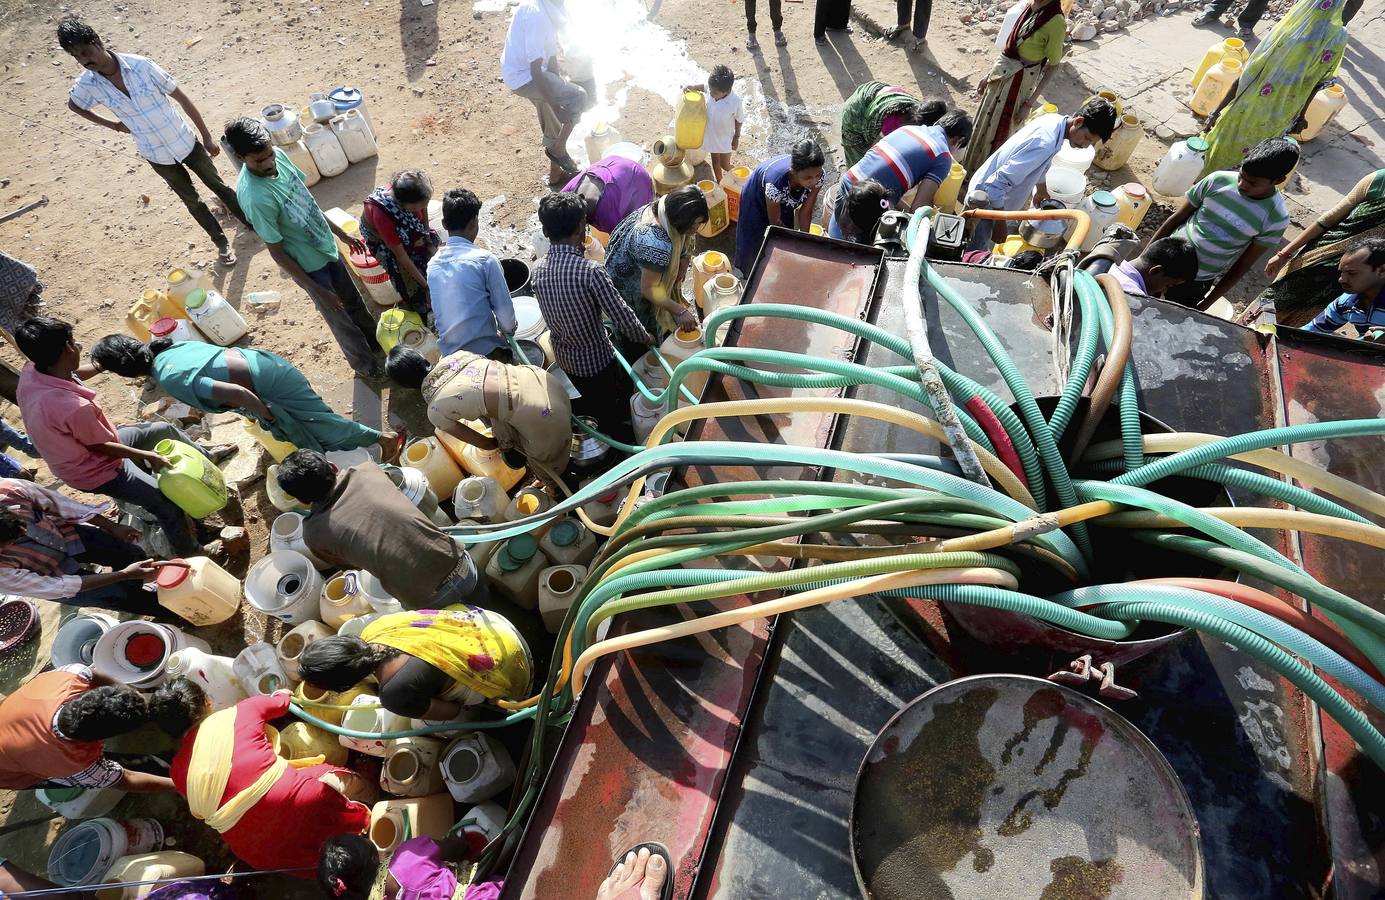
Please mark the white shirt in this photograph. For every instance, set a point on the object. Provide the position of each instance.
(161, 133)
(722, 116)
(533, 35)
(1008, 177)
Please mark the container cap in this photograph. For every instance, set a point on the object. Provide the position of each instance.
(195, 299)
(163, 327)
(1103, 198)
(143, 651)
(565, 533)
(518, 551)
(1134, 189)
(174, 574)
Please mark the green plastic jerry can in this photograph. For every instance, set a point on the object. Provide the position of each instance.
(192, 481)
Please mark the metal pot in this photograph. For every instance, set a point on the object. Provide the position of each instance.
(1044, 233)
(586, 449)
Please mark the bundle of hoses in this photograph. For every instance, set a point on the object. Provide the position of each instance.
(954, 540)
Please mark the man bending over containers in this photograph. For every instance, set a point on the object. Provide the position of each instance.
(360, 520)
(53, 729)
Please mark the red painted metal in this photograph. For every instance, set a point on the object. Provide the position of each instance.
(647, 751)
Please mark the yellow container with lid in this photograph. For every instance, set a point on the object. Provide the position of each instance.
(1215, 85)
(945, 200)
(733, 181)
(1323, 108)
(1133, 201)
(1231, 48)
(428, 456)
(717, 216)
(706, 266)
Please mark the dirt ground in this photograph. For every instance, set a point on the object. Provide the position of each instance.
(431, 76)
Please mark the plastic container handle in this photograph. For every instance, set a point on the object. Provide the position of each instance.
(353, 585)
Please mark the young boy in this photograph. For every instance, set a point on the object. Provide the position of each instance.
(573, 293)
(725, 113)
(1231, 219)
(1165, 264)
(471, 302)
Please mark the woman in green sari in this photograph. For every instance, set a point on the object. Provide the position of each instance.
(1278, 82)
(1306, 269)
(260, 385)
(874, 110)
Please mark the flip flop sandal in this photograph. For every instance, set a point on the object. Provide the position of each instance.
(227, 257)
(655, 849)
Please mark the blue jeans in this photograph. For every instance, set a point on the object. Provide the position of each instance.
(134, 485)
(102, 549)
(462, 586)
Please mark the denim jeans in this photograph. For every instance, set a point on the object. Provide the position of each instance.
(102, 549)
(134, 485)
(462, 586)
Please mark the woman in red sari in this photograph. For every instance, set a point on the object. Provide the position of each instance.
(273, 814)
(1033, 49)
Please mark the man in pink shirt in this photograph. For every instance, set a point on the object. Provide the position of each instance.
(80, 444)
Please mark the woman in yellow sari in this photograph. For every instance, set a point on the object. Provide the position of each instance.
(429, 664)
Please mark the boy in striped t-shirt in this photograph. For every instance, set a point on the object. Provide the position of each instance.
(1231, 219)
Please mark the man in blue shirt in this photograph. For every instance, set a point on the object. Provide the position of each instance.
(471, 302)
(1362, 273)
(1006, 179)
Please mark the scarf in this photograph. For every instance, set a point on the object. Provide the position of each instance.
(409, 226)
(209, 769)
(475, 648)
(1031, 20)
(681, 245)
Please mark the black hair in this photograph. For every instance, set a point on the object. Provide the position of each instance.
(407, 367)
(926, 112)
(562, 215)
(805, 154)
(1175, 255)
(1273, 158)
(411, 186)
(102, 713)
(307, 476)
(123, 355)
(957, 126)
(685, 206)
(339, 663)
(246, 136)
(865, 203)
(1099, 117)
(12, 527)
(721, 79)
(43, 340)
(347, 866)
(1026, 260)
(177, 706)
(74, 33)
(460, 207)
(1375, 251)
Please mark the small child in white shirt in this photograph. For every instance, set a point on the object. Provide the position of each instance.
(725, 113)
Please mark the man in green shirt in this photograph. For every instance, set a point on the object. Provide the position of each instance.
(276, 201)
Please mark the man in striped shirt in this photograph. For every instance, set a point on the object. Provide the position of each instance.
(573, 292)
(1231, 219)
(910, 157)
(1362, 273)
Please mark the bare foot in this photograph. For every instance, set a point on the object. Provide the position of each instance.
(640, 876)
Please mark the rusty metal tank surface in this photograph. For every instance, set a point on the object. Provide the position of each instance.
(1009, 786)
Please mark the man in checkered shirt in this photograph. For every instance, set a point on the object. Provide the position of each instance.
(573, 292)
(140, 94)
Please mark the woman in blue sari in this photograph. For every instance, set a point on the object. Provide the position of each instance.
(258, 384)
(781, 191)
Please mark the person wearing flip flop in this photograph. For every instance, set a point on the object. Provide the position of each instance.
(641, 874)
(529, 68)
(141, 96)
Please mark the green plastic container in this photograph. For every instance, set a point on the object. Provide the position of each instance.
(192, 481)
(394, 324)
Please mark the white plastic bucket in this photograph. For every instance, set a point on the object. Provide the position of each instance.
(1076, 158)
(136, 652)
(84, 853)
(75, 642)
(285, 585)
(379, 598)
(1067, 185)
